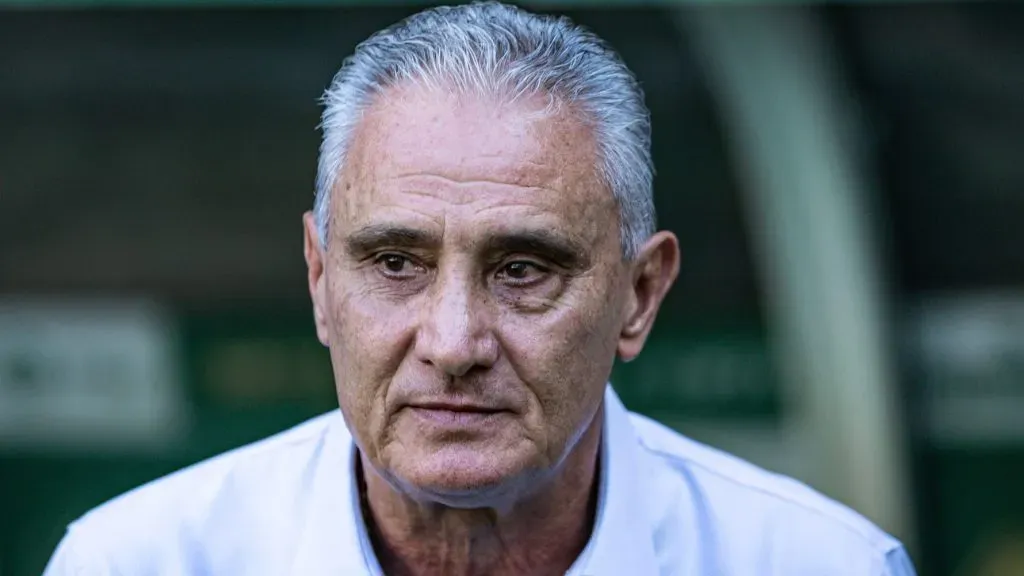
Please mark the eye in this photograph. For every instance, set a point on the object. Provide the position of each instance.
(522, 273)
(395, 266)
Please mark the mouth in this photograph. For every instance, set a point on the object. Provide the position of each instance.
(454, 407)
(450, 415)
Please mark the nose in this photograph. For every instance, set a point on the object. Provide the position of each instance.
(455, 334)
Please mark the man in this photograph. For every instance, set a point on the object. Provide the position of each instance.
(482, 247)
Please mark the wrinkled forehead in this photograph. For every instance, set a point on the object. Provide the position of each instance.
(525, 151)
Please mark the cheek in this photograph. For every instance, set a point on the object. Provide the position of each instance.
(565, 356)
(369, 340)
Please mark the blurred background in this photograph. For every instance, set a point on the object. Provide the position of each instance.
(847, 182)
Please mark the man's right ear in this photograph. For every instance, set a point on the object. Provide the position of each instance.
(315, 260)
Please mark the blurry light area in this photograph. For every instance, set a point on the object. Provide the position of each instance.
(91, 375)
(968, 353)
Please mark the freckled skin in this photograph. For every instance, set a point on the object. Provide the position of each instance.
(474, 256)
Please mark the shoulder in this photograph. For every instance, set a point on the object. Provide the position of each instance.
(755, 515)
(175, 519)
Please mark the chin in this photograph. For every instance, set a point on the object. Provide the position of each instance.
(465, 478)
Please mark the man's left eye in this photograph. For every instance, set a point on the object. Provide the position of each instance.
(520, 273)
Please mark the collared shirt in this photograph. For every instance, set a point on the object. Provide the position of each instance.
(289, 505)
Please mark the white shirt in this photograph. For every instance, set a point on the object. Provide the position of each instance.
(289, 505)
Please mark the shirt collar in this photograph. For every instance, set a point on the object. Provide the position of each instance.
(622, 541)
(335, 540)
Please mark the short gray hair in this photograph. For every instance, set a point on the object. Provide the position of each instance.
(496, 48)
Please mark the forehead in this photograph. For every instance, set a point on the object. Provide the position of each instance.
(421, 146)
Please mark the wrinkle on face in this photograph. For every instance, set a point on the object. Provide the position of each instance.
(523, 183)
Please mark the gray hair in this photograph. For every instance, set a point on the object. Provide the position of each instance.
(489, 47)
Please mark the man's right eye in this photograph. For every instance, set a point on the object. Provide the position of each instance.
(395, 266)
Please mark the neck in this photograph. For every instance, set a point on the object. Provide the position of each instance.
(543, 533)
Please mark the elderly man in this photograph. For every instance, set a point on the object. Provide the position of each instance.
(482, 248)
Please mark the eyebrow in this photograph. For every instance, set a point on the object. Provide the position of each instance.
(376, 236)
(551, 245)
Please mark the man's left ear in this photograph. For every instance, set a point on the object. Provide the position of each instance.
(654, 270)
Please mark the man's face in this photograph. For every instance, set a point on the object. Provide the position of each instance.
(473, 289)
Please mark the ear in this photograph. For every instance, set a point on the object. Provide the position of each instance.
(653, 272)
(315, 258)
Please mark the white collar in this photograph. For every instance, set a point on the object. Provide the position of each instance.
(335, 540)
(622, 542)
